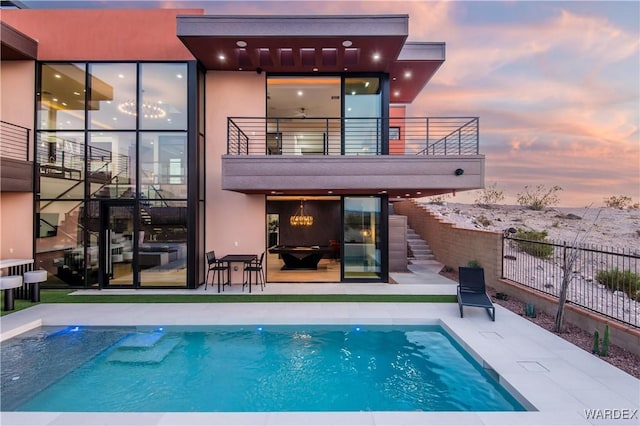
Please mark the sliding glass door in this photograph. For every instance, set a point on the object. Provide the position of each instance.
(363, 248)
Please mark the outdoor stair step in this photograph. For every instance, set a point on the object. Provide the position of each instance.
(144, 354)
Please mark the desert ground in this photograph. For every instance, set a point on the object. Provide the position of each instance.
(604, 228)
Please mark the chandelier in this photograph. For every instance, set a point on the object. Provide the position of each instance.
(300, 219)
(148, 110)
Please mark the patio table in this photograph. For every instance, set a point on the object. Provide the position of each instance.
(238, 258)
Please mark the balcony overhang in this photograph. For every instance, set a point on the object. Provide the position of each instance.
(394, 175)
(308, 44)
(16, 46)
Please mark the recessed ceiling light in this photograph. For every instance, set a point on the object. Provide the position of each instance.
(221, 57)
(407, 195)
(179, 75)
(346, 69)
(57, 76)
(347, 43)
(407, 74)
(353, 93)
(240, 69)
(366, 84)
(315, 69)
(241, 43)
(419, 192)
(329, 192)
(394, 78)
(396, 93)
(120, 75)
(376, 56)
(300, 93)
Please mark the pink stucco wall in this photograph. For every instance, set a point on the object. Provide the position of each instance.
(17, 86)
(103, 34)
(16, 225)
(235, 222)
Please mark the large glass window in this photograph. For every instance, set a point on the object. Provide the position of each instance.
(112, 96)
(163, 96)
(111, 164)
(163, 165)
(61, 96)
(60, 157)
(162, 254)
(362, 239)
(362, 112)
(132, 146)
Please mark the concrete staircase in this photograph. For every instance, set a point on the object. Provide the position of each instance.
(419, 248)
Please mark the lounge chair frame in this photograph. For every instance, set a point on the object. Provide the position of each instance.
(472, 291)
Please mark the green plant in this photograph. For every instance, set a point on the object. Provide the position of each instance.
(618, 202)
(604, 351)
(601, 347)
(596, 342)
(473, 264)
(502, 296)
(535, 244)
(483, 220)
(489, 196)
(530, 310)
(438, 200)
(539, 198)
(617, 280)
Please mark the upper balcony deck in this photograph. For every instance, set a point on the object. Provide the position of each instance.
(408, 156)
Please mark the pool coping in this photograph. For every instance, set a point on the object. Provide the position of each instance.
(541, 369)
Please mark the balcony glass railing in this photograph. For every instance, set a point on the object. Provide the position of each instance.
(353, 136)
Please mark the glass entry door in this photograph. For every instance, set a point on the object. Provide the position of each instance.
(116, 244)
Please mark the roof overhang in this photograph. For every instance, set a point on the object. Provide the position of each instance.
(16, 46)
(314, 44)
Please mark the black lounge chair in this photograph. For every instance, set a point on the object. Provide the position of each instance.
(472, 291)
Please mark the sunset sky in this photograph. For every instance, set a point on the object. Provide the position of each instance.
(555, 83)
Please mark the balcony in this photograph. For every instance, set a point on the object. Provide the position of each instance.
(406, 157)
(16, 171)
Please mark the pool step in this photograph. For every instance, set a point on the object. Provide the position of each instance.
(150, 348)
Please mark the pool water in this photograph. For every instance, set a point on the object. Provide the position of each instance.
(245, 368)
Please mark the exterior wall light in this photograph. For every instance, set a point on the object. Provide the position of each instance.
(459, 172)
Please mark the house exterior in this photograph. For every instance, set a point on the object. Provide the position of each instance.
(135, 141)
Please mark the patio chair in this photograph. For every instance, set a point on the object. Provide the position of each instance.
(472, 291)
(254, 267)
(218, 268)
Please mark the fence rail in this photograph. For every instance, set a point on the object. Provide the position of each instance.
(15, 141)
(353, 136)
(603, 280)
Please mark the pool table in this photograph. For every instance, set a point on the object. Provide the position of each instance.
(300, 257)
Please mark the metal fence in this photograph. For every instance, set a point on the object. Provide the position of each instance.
(604, 280)
(352, 136)
(15, 141)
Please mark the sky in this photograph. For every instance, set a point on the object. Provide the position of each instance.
(555, 84)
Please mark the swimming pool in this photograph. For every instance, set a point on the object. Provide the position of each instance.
(245, 368)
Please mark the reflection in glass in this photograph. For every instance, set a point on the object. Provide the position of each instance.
(113, 87)
(163, 165)
(61, 97)
(363, 104)
(60, 157)
(162, 256)
(362, 243)
(111, 164)
(163, 97)
(60, 243)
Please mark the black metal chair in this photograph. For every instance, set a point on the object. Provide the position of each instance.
(472, 291)
(218, 268)
(254, 267)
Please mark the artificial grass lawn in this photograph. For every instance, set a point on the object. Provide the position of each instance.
(64, 296)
